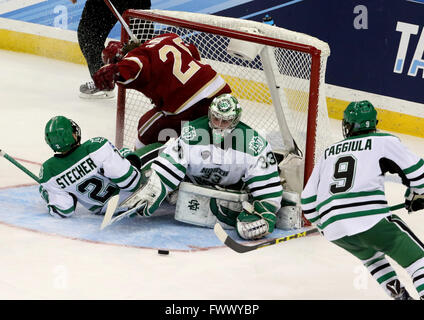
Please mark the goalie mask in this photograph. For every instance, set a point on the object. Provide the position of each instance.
(359, 117)
(62, 134)
(224, 115)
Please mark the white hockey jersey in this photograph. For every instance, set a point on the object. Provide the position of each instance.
(345, 193)
(246, 163)
(90, 175)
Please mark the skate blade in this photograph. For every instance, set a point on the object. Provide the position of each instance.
(98, 95)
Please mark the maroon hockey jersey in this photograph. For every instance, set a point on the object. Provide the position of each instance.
(170, 73)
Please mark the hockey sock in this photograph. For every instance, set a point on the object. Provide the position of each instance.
(381, 270)
(416, 271)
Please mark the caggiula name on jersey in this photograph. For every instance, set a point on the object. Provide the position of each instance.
(348, 146)
(76, 173)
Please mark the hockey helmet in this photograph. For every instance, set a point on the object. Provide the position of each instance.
(359, 117)
(62, 134)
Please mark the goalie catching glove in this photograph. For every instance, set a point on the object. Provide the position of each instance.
(413, 201)
(257, 220)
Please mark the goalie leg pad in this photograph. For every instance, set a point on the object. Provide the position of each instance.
(289, 216)
(148, 197)
(291, 172)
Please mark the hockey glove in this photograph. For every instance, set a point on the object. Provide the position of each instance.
(105, 77)
(413, 201)
(131, 156)
(44, 194)
(224, 211)
(257, 221)
(113, 52)
(51, 209)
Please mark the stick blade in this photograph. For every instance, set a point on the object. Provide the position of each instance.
(229, 242)
(110, 218)
(111, 208)
(220, 233)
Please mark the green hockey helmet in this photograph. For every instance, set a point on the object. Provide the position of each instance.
(359, 117)
(62, 134)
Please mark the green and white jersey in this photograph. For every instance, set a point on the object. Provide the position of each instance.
(90, 175)
(244, 161)
(345, 192)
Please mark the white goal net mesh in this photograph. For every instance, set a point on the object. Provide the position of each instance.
(272, 93)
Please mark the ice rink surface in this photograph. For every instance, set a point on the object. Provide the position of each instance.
(39, 265)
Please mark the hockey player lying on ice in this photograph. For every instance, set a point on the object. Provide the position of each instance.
(88, 173)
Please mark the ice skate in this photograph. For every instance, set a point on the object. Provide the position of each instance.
(88, 90)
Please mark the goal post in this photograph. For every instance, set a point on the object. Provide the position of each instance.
(278, 76)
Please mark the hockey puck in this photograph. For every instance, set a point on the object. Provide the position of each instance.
(163, 251)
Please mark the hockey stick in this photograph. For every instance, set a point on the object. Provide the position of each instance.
(110, 211)
(288, 139)
(112, 204)
(121, 20)
(17, 164)
(242, 248)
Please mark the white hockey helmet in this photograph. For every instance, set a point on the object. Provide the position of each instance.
(224, 115)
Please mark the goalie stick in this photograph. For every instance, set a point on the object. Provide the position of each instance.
(242, 248)
(121, 20)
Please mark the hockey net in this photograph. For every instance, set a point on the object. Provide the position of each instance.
(280, 85)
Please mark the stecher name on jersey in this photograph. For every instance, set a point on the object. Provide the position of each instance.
(76, 173)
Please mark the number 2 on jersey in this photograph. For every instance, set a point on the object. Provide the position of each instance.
(96, 190)
(193, 67)
(344, 174)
